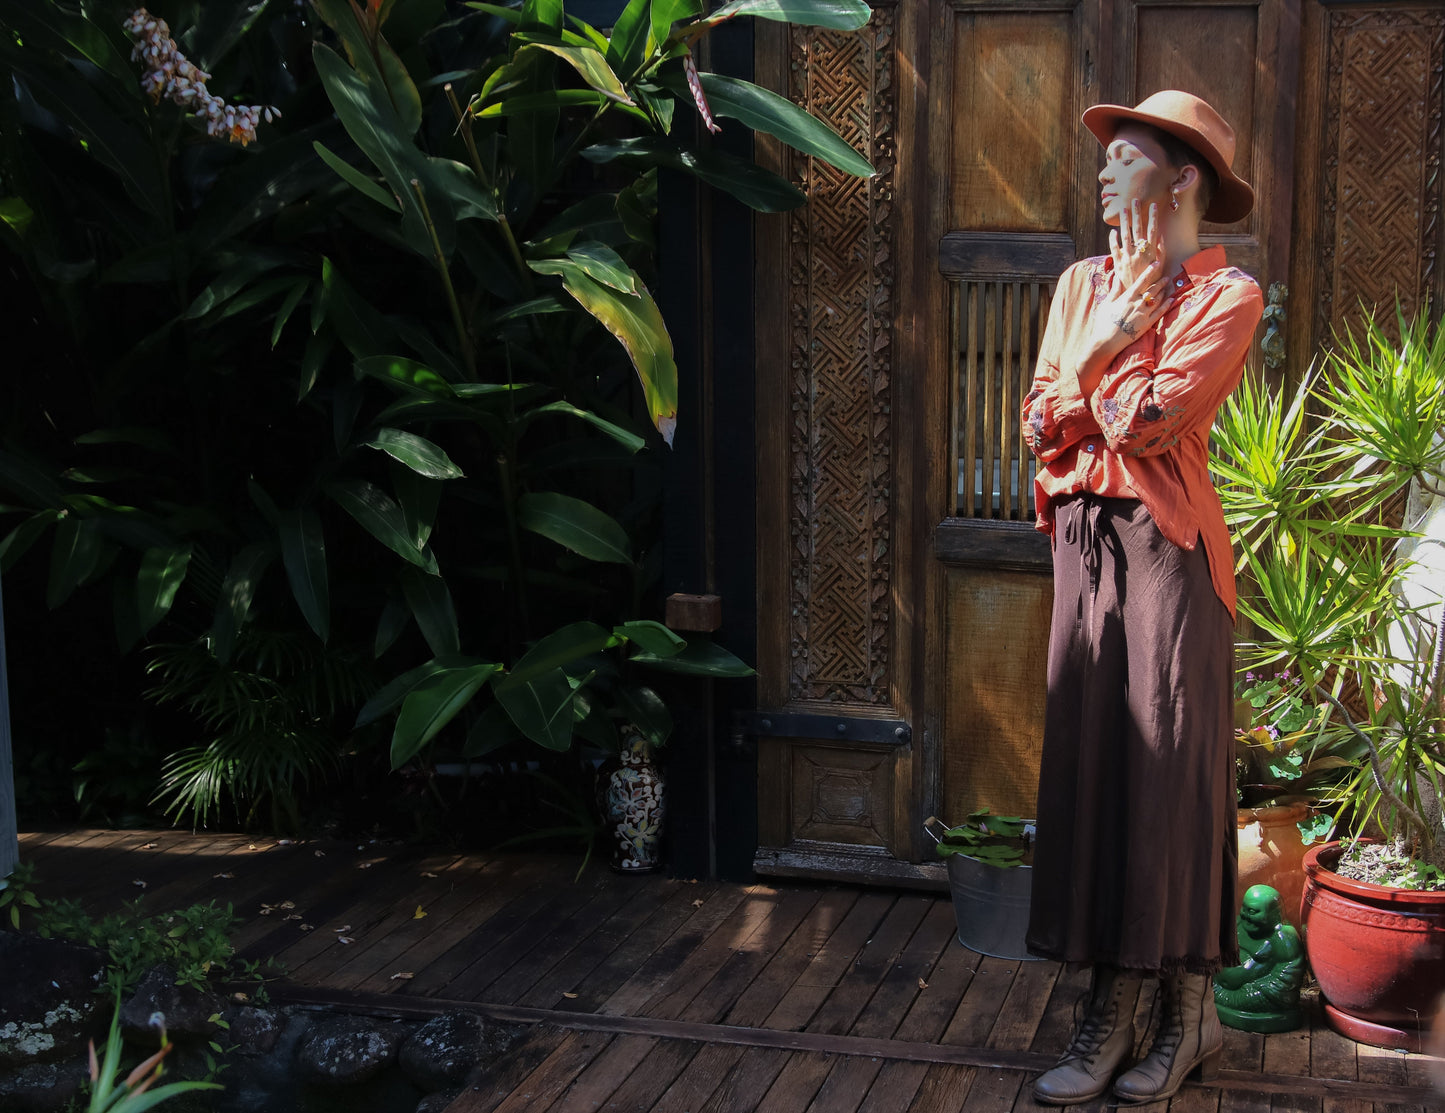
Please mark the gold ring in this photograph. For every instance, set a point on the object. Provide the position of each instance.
(1148, 299)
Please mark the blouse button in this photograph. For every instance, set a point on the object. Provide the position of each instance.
(1179, 282)
(1089, 447)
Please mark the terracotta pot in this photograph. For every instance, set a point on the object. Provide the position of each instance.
(1272, 852)
(1378, 953)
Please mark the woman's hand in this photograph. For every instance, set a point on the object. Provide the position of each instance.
(1137, 297)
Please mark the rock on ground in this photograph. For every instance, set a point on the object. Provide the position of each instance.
(43, 1087)
(187, 1011)
(50, 1011)
(446, 1049)
(343, 1050)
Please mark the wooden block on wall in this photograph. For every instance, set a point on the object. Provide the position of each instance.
(695, 613)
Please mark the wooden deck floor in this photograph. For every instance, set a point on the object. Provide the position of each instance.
(655, 995)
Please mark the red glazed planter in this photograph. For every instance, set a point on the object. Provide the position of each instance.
(1378, 953)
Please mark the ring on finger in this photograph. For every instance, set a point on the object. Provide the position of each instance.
(1148, 299)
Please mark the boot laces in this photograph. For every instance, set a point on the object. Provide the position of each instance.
(1091, 1032)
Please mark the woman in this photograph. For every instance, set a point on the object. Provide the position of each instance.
(1134, 867)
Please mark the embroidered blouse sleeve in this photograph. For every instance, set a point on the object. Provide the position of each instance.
(1055, 413)
(1157, 393)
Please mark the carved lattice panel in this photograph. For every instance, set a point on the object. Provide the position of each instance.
(997, 327)
(841, 310)
(1382, 161)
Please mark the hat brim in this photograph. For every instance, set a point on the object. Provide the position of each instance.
(1233, 200)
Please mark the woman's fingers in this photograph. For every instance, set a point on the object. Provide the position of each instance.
(1152, 234)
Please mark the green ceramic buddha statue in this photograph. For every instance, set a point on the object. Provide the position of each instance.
(1262, 994)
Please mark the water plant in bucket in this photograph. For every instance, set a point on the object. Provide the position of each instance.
(989, 879)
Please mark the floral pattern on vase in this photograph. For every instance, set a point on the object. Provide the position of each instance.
(634, 808)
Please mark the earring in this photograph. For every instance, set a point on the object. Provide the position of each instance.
(1174, 201)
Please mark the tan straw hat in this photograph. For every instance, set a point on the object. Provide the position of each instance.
(1192, 120)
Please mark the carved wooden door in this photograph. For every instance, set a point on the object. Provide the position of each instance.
(1015, 201)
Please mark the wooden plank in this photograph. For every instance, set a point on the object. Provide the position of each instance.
(642, 944)
(535, 948)
(1023, 1008)
(847, 1085)
(797, 1083)
(652, 1076)
(710, 954)
(830, 963)
(537, 1092)
(894, 1088)
(747, 1083)
(508, 1072)
(492, 919)
(704, 1074)
(937, 1001)
(1195, 1099)
(573, 968)
(907, 977)
(968, 399)
(714, 999)
(944, 1089)
(1289, 1053)
(874, 960)
(793, 958)
(1005, 256)
(400, 944)
(604, 1075)
(1066, 1000)
(1011, 545)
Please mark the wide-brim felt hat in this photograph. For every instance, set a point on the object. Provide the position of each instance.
(1193, 121)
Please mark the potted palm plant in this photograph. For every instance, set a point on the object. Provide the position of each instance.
(1336, 586)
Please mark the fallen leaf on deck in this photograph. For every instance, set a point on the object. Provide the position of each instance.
(319, 853)
(227, 876)
(139, 883)
(285, 842)
(404, 975)
(363, 865)
(428, 873)
(240, 998)
(698, 903)
(252, 846)
(419, 914)
(287, 904)
(345, 939)
(294, 916)
(922, 984)
(570, 996)
(343, 927)
(308, 927)
(150, 846)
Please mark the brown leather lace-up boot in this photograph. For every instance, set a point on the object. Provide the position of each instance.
(1104, 1037)
(1189, 1036)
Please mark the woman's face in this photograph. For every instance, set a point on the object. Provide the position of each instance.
(1134, 169)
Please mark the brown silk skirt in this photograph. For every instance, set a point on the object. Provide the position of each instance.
(1136, 858)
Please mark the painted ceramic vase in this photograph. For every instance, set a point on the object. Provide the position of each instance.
(634, 807)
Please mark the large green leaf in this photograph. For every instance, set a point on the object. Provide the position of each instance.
(417, 453)
(395, 690)
(701, 658)
(602, 264)
(840, 15)
(374, 126)
(667, 12)
(635, 321)
(752, 185)
(46, 25)
(627, 45)
(431, 602)
(75, 554)
(545, 101)
(406, 373)
(541, 708)
(557, 650)
(625, 437)
(590, 65)
(19, 540)
(575, 525)
(652, 637)
(375, 61)
(355, 178)
(303, 552)
(162, 571)
(233, 603)
(378, 513)
(765, 111)
(431, 705)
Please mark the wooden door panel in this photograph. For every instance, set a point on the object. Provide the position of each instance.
(1013, 152)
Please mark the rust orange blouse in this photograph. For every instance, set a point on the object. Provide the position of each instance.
(1144, 431)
